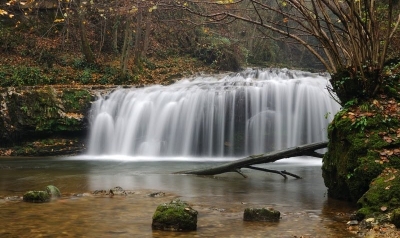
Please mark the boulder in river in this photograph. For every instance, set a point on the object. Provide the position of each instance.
(175, 216)
(36, 196)
(261, 214)
(53, 191)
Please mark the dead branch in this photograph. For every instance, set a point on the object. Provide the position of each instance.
(235, 166)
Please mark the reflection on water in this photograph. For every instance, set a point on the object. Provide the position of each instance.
(220, 200)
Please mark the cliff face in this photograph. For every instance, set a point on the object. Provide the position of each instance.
(43, 120)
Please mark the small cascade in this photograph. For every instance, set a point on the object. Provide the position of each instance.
(251, 112)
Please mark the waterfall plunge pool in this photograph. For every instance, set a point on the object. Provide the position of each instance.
(305, 209)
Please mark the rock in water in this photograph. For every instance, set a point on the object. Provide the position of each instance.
(36, 196)
(53, 191)
(117, 191)
(261, 214)
(175, 216)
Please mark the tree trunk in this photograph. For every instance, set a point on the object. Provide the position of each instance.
(115, 36)
(235, 166)
(86, 50)
(138, 36)
(127, 46)
(146, 39)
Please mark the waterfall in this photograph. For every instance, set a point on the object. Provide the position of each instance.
(251, 112)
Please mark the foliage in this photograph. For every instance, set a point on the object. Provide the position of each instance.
(22, 76)
(76, 100)
(220, 53)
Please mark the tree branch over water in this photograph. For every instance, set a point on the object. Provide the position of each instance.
(235, 166)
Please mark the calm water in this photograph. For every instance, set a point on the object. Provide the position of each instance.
(305, 209)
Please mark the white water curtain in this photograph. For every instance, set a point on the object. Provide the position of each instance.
(251, 112)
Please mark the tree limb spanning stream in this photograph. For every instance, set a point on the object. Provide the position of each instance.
(248, 162)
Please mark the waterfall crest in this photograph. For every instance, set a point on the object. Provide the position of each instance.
(251, 112)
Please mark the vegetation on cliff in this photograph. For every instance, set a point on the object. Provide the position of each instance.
(364, 140)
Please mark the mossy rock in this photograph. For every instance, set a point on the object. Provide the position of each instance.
(395, 219)
(36, 196)
(355, 138)
(175, 216)
(383, 194)
(261, 214)
(53, 191)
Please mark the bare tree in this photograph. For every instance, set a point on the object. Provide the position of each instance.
(345, 35)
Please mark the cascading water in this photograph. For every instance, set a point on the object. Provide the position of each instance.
(255, 111)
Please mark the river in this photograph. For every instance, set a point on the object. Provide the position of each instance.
(306, 211)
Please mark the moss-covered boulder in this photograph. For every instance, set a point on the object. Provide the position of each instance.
(36, 196)
(383, 194)
(261, 214)
(175, 216)
(53, 191)
(363, 140)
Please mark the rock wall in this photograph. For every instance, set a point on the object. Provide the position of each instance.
(43, 120)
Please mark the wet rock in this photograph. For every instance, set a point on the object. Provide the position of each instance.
(117, 191)
(261, 214)
(53, 191)
(13, 198)
(157, 194)
(175, 216)
(367, 223)
(99, 192)
(352, 223)
(36, 196)
(396, 217)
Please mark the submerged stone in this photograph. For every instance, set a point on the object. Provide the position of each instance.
(261, 214)
(53, 191)
(175, 216)
(36, 196)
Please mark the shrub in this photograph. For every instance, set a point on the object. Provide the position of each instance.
(220, 53)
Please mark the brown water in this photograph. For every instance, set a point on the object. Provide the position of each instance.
(220, 200)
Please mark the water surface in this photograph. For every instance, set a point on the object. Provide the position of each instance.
(305, 209)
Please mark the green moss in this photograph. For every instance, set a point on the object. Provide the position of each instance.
(36, 196)
(76, 100)
(383, 194)
(53, 191)
(176, 215)
(395, 219)
(262, 214)
(353, 150)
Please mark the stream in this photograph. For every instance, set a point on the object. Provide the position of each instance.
(306, 211)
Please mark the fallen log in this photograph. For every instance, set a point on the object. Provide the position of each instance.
(235, 166)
